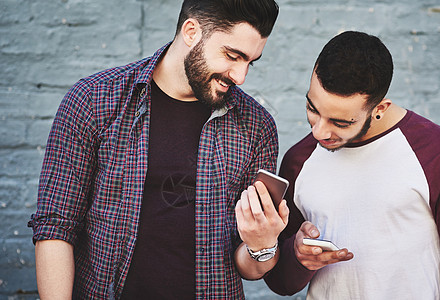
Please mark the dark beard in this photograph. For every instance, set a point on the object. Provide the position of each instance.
(362, 133)
(199, 78)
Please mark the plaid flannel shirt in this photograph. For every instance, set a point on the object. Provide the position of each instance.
(92, 181)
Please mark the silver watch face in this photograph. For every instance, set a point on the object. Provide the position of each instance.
(265, 256)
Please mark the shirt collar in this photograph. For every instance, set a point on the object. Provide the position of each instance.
(146, 74)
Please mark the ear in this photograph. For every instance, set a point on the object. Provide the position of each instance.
(191, 32)
(381, 108)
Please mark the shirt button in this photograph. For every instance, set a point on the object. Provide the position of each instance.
(137, 114)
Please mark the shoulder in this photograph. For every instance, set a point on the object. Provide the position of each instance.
(420, 131)
(416, 121)
(423, 136)
(89, 91)
(126, 73)
(104, 82)
(301, 151)
(294, 159)
(129, 74)
(250, 110)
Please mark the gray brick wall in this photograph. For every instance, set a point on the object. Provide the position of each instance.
(47, 45)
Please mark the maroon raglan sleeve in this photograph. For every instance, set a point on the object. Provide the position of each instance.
(424, 138)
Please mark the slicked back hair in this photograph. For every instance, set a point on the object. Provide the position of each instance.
(355, 63)
(222, 15)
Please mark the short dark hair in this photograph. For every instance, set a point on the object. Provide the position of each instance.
(355, 62)
(221, 15)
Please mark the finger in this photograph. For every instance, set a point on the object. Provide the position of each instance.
(284, 211)
(302, 249)
(266, 200)
(240, 215)
(311, 262)
(254, 203)
(309, 230)
(239, 212)
(345, 255)
(331, 257)
(310, 250)
(315, 262)
(245, 205)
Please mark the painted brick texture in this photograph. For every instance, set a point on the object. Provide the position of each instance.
(47, 45)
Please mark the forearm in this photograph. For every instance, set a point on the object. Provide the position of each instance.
(289, 276)
(248, 267)
(55, 268)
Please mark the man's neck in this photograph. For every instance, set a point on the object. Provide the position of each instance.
(170, 76)
(390, 118)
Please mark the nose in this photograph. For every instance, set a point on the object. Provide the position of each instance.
(238, 73)
(321, 130)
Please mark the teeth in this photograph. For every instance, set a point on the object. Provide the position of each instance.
(223, 83)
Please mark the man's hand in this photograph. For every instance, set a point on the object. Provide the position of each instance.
(259, 228)
(260, 224)
(312, 257)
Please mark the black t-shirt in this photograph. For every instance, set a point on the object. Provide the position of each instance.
(163, 265)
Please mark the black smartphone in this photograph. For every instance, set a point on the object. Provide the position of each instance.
(276, 185)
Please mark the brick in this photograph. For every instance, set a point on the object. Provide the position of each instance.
(18, 103)
(24, 163)
(37, 133)
(14, 12)
(12, 133)
(17, 252)
(17, 195)
(15, 225)
(46, 46)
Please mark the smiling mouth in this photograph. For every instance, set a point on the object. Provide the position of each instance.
(327, 143)
(222, 83)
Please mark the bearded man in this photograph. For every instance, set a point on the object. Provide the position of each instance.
(145, 162)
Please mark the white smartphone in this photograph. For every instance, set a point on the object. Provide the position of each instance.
(276, 185)
(325, 245)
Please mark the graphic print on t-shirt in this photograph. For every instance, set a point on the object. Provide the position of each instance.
(178, 189)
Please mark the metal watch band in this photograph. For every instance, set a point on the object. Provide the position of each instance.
(263, 254)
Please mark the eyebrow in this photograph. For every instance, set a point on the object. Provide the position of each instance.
(240, 53)
(309, 101)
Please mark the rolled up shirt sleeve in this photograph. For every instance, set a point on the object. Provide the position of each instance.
(67, 174)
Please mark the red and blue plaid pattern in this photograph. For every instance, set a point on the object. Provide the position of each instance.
(92, 181)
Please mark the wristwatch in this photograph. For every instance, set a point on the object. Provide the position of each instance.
(263, 254)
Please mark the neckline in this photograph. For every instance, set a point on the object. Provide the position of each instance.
(376, 137)
(156, 89)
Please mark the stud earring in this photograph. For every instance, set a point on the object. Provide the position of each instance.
(378, 117)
